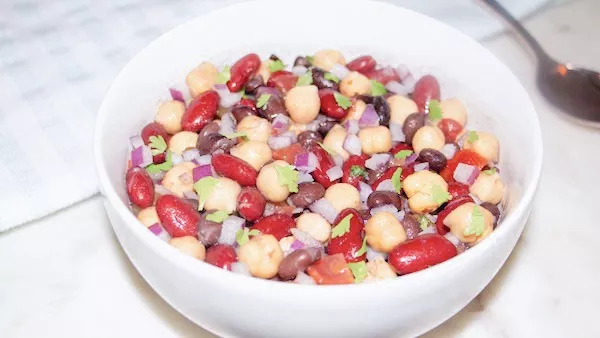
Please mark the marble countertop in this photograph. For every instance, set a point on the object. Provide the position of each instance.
(66, 275)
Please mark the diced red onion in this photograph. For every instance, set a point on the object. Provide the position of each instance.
(397, 132)
(352, 127)
(461, 140)
(422, 166)
(190, 154)
(201, 171)
(291, 134)
(306, 238)
(386, 185)
(476, 199)
(136, 141)
(338, 159)
(313, 126)
(159, 231)
(204, 159)
(396, 88)
(452, 238)
(410, 159)
(190, 195)
(269, 210)
(160, 190)
(324, 208)
(226, 98)
(297, 211)
(373, 255)
(266, 90)
(176, 158)
(302, 278)
(176, 95)
(449, 150)
(369, 117)
(432, 218)
(402, 71)
(352, 145)
(364, 190)
(306, 162)
(141, 157)
(384, 208)
(299, 70)
(334, 173)
(377, 161)
(281, 124)
(304, 177)
(339, 71)
(296, 245)
(241, 268)
(278, 142)
(429, 230)
(158, 176)
(230, 226)
(227, 125)
(465, 173)
(400, 215)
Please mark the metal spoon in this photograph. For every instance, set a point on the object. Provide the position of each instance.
(575, 91)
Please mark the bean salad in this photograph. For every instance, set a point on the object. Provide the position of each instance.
(318, 172)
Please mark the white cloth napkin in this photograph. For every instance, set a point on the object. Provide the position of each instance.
(57, 59)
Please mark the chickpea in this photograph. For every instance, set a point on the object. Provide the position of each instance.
(375, 140)
(455, 110)
(169, 116)
(315, 225)
(486, 145)
(303, 103)
(428, 137)
(190, 246)
(379, 269)
(355, 84)
(460, 219)
(267, 182)
(256, 128)
(286, 243)
(182, 140)
(335, 140)
(400, 108)
(342, 196)
(488, 188)
(264, 71)
(384, 232)
(148, 216)
(356, 110)
(224, 196)
(418, 188)
(179, 179)
(254, 152)
(201, 78)
(327, 58)
(263, 255)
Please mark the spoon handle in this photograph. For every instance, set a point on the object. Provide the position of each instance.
(517, 27)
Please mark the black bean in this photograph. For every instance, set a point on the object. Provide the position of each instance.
(253, 84)
(321, 82)
(492, 208)
(274, 57)
(383, 110)
(209, 140)
(208, 231)
(308, 138)
(374, 175)
(239, 112)
(308, 193)
(297, 261)
(302, 61)
(411, 226)
(275, 106)
(412, 123)
(381, 198)
(436, 160)
(325, 126)
(368, 99)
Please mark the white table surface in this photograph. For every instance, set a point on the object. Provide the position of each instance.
(66, 275)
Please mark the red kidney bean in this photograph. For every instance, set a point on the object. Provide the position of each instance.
(329, 105)
(155, 129)
(278, 225)
(251, 204)
(349, 243)
(140, 187)
(308, 138)
(427, 88)
(178, 217)
(453, 204)
(383, 75)
(353, 176)
(412, 123)
(282, 80)
(319, 80)
(208, 231)
(450, 128)
(362, 64)
(492, 208)
(308, 193)
(242, 70)
(239, 112)
(298, 261)
(457, 190)
(411, 226)
(201, 111)
(436, 160)
(325, 163)
(421, 253)
(288, 153)
(234, 168)
(381, 198)
(221, 255)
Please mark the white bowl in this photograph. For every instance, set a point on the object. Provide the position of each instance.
(232, 305)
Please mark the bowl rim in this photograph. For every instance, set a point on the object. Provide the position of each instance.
(170, 254)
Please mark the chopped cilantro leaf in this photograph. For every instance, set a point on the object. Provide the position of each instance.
(305, 79)
(165, 166)
(435, 110)
(342, 227)
(224, 75)
(331, 77)
(157, 144)
(204, 187)
(286, 175)
(359, 270)
(477, 225)
(424, 222)
(276, 66)
(218, 216)
(309, 58)
(242, 236)
(396, 180)
(357, 170)
(439, 195)
(362, 250)
(342, 101)
(262, 100)
(490, 171)
(377, 88)
(472, 136)
(241, 134)
(402, 154)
